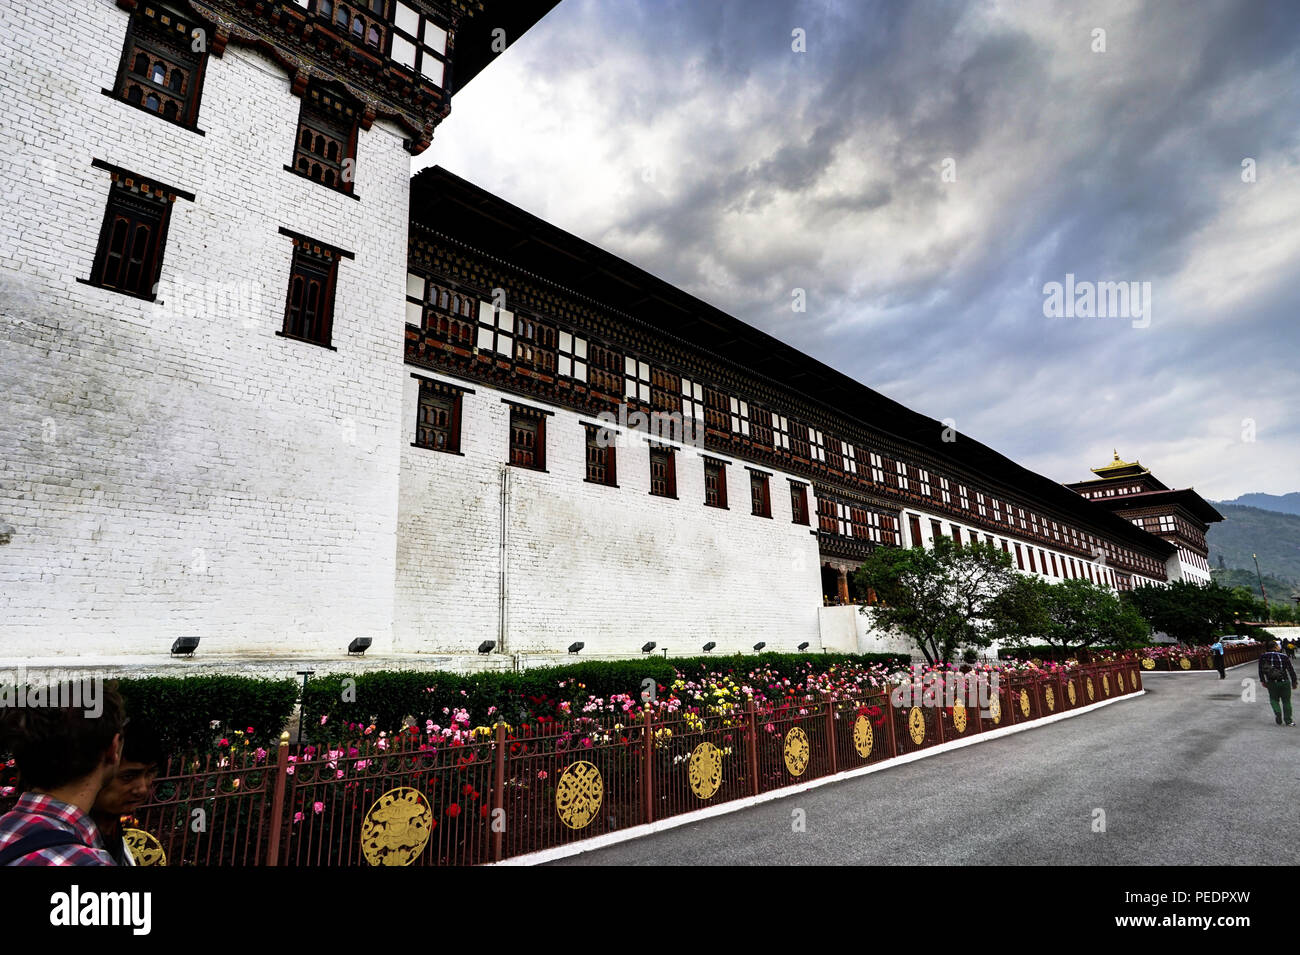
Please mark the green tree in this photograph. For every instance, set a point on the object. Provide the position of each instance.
(1072, 614)
(939, 599)
(1188, 612)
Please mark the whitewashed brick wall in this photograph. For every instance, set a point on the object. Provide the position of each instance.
(182, 470)
(612, 567)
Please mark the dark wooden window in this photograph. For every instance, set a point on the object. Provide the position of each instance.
(447, 314)
(326, 144)
(309, 312)
(161, 72)
(605, 369)
(1032, 568)
(956, 535)
(1020, 560)
(760, 426)
(535, 345)
(665, 391)
(600, 456)
(759, 496)
(437, 426)
(799, 440)
(363, 21)
(936, 531)
(832, 453)
(914, 525)
(799, 502)
(527, 438)
(663, 471)
(1055, 571)
(715, 483)
(717, 415)
(131, 240)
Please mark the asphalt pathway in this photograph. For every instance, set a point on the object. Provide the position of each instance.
(1188, 774)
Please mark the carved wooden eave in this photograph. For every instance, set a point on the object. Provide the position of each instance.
(306, 49)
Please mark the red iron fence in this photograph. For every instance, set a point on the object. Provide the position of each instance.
(402, 801)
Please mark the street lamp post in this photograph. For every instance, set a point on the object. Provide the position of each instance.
(1261, 586)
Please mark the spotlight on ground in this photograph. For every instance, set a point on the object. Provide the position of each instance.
(759, 646)
(709, 646)
(648, 647)
(486, 646)
(803, 646)
(185, 645)
(360, 645)
(575, 647)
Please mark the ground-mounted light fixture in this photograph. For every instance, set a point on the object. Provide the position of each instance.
(360, 645)
(185, 645)
(759, 646)
(804, 645)
(709, 646)
(575, 647)
(487, 646)
(648, 647)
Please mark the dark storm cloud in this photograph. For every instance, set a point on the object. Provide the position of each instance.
(821, 170)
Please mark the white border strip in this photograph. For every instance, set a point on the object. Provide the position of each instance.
(734, 805)
(1181, 672)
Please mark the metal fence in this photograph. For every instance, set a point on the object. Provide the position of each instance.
(403, 801)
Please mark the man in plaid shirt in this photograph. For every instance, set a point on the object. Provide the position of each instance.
(64, 757)
(1276, 673)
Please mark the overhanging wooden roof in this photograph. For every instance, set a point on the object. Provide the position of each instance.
(445, 203)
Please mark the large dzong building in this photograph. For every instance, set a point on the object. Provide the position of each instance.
(266, 389)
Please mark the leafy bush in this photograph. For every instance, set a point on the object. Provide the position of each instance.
(182, 709)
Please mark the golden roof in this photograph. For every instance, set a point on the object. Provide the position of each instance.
(1107, 470)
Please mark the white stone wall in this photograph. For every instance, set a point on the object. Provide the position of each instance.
(175, 467)
(612, 567)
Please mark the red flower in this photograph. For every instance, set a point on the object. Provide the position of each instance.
(453, 810)
(469, 788)
(483, 811)
(249, 731)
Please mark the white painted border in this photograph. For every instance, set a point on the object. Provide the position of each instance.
(1181, 672)
(734, 805)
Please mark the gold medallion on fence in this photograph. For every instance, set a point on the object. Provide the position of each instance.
(863, 737)
(706, 770)
(145, 849)
(916, 725)
(1049, 697)
(995, 708)
(959, 717)
(579, 794)
(1148, 664)
(1092, 694)
(1024, 703)
(1119, 681)
(1133, 679)
(1185, 663)
(797, 751)
(397, 827)
(1069, 689)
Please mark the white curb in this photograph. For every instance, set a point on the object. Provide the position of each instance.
(734, 805)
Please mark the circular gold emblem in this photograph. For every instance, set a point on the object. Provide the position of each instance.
(1105, 683)
(1185, 663)
(706, 770)
(1148, 664)
(397, 827)
(1092, 694)
(578, 794)
(916, 725)
(995, 708)
(959, 717)
(796, 751)
(1024, 703)
(145, 849)
(1119, 680)
(863, 737)
(1049, 697)
(1069, 689)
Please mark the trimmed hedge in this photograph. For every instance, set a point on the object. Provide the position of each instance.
(181, 709)
(390, 696)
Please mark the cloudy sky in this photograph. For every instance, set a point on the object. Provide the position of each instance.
(923, 170)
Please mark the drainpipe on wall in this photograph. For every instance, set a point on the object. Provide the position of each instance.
(501, 586)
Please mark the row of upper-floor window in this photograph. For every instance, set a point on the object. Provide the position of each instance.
(163, 61)
(1028, 558)
(1112, 491)
(132, 242)
(440, 422)
(463, 319)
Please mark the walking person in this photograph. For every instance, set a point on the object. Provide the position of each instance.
(65, 756)
(1218, 657)
(1277, 674)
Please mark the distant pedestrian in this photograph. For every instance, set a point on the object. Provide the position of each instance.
(1218, 657)
(1277, 674)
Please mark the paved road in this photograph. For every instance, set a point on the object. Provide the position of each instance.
(1188, 774)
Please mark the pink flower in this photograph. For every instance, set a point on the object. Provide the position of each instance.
(323, 719)
(542, 774)
(339, 774)
(297, 817)
(259, 753)
(318, 807)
